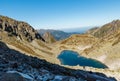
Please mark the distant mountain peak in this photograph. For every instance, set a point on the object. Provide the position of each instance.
(57, 34)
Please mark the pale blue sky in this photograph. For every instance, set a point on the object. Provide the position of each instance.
(59, 14)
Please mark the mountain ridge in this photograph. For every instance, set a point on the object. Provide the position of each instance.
(57, 34)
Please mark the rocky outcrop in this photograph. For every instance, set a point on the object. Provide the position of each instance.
(48, 38)
(21, 30)
(92, 30)
(15, 65)
(107, 29)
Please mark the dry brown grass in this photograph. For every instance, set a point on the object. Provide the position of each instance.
(47, 52)
(43, 45)
(17, 43)
(23, 47)
(116, 42)
(79, 40)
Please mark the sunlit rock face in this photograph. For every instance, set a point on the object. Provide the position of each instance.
(19, 29)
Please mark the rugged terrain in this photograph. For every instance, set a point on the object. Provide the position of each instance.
(101, 43)
(15, 66)
(106, 49)
(20, 36)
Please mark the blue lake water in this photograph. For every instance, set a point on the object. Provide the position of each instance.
(72, 58)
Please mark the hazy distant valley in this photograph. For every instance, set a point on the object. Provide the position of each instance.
(58, 34)
(101, 44)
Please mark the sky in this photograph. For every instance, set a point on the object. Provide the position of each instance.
(59, 14)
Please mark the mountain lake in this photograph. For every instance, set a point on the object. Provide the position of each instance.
(71, 58)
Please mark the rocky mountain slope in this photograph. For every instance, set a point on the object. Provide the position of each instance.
(79, 39)
(15, 66)
(107, 48)
(108, 29)
(49, 38)
(21, 30)
(23, 37)
(92, 30)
